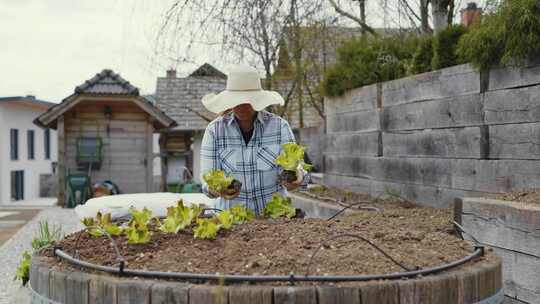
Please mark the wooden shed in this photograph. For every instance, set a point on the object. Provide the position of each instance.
(106, 114)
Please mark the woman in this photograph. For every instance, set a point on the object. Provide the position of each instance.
(245, 140)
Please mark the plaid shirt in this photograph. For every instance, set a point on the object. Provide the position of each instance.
(224, 148)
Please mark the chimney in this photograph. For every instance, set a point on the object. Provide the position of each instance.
(171, 73)
(470, 14)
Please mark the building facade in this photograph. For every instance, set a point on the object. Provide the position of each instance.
(27, 151)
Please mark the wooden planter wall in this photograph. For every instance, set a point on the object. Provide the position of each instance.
(469, 285)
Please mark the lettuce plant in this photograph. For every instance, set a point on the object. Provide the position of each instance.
(242, 214)
(279, 206)
(290, 160)
(219, 182)
(226, 219)
(102, 222)
(178, 217)
(137, 230)
(206, 229)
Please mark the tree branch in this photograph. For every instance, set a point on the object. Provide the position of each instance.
(362, 24)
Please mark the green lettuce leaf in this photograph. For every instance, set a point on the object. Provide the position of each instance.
(279, 206)
(206, 229)
(292, 156)
(217, 180)
(226, 219)
(242, 214)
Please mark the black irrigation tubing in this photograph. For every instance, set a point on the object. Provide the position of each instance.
(358, 237)
(352, 205)
(479, 251)
(119, 256)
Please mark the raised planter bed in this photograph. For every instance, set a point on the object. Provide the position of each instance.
(416, 237)
(511, 228)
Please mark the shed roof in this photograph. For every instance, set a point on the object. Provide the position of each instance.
(28, 99)
(106, 84)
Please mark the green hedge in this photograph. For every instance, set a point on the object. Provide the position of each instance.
(506, 37)
(365, 61)
(423, 56)
(444, 47)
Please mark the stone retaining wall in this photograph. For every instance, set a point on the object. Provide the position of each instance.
(449, 133)
(469, 285)
(513, 230)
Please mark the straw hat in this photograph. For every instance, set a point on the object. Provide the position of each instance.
(243, 86)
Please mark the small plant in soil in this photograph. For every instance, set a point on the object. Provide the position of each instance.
(291, 159)
(47, 235)
(226, 219)
(102, 222)
(279, 206)
(178, 218)
(206, 229)
(219, 182)
(138, 231)
(23, 270)
(242, 214)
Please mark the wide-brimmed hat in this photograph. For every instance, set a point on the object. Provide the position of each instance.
(243, 86)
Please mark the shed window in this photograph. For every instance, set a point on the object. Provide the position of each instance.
(89, 152)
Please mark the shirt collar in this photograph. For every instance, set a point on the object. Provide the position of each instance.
(229, 117)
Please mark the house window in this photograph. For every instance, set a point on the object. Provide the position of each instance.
(30, 140)
(14, 146)
(17, 185)
(47, 139)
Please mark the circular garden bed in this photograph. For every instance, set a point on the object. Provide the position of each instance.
(385, 239)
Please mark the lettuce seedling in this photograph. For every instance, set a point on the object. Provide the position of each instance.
(102, 222)
(219, 182)
(206, 229)
(178, 217)
(226, 219)
(290, 160)
(279, 206)
(242, 214)
(23, 270)
(137, 230)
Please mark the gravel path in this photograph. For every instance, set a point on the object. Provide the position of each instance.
(11, 251)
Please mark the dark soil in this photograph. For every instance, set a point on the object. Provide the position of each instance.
(415, 236)
(527, 196)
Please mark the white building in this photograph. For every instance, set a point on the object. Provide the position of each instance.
(26, 151)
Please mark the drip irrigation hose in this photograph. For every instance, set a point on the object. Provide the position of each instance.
(358, 237)
(119, 256)
(352, 205)
(186, 276)
(462, 230)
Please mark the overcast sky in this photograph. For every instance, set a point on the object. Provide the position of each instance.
(47, 47)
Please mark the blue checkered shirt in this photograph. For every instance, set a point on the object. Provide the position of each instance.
(224, 148)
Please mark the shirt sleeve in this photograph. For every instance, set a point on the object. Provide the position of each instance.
(209, 158)
(287, 136)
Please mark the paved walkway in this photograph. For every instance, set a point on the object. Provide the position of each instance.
(11, 251)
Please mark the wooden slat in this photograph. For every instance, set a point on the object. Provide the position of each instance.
(295, 295)
(209, 295)
(380, 293)
(57, 285)
(61, 161)
(459, 111)
(467, 286)
(453, 81)
(443, 143)
(170, 293)
(511, 77)
(337, 295)
(406, 292)
(251, 294)
(365, 121)
(445, 287)
(77, 288)
(515, 141)
(353, 143)
(149, 162)
(359, 99)
(133, 292)
(512, 106)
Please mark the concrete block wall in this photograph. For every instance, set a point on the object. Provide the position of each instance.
(511, 229)
(449, 133)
